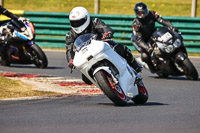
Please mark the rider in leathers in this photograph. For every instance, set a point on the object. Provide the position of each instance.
(143, 27)
(81, 24)
(7, 13)
(4, 37)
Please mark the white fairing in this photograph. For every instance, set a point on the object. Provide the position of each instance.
(99, 50)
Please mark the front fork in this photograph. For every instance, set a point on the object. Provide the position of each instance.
(179, 58)
(28, 54)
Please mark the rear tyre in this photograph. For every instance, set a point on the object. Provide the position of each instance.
(40, 59)
(142, 97)
(189, 70)
(110, 89)
(161, 75)
(4, 62)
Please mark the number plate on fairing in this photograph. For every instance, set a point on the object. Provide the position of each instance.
(166, 37)
(84, 50)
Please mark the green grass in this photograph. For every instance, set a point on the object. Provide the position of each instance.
(164, 7)
(10, 88)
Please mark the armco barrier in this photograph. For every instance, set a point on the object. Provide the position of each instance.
(51, 28)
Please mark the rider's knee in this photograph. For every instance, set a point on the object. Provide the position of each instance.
(145, 57)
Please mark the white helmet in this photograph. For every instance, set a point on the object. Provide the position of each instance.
(79, 19)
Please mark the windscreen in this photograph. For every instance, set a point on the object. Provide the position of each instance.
(83, 40)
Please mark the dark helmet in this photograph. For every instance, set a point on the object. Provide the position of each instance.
(141, 10)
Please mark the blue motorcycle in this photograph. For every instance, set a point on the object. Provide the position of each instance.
(19, 46)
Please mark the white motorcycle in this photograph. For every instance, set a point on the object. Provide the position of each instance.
(108, 71)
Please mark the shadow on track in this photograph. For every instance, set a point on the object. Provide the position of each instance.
(27, 66)
(131, 104)
(174, 78)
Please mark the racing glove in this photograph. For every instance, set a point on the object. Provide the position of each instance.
(107, 35)
(23, 19)
(175, 29)
(150, 50)
(70, 64)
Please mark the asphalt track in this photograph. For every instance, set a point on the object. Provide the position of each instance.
(57, 66)
(173, 107)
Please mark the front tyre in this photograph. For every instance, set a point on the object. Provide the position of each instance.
(110, 89)
(189, 69)
(40, 59)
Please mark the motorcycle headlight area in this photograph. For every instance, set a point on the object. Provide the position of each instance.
(171, 48)
(166, 48)
(177, 43)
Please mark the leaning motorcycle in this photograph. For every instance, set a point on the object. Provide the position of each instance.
(108, 71)
(169, 55)
(21, 42)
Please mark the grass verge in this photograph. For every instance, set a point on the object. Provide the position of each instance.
(164, 7)
(10, 88)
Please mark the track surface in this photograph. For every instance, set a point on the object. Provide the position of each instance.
(173, 107)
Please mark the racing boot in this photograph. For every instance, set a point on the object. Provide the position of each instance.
(13, 52)
(136, 66)
(151, 67)
(146, 58)
(86, 80)
(15, 57)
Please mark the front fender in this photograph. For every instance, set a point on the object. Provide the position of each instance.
(181, 56)
(105, 68)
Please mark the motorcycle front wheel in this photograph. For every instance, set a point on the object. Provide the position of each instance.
(40, 59)
(189, 69)
(110, 89)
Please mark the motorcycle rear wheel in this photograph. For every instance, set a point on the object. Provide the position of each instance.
(110, 89)
(5, 63)
(189, 69)
(40, 59)
(162, 75)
